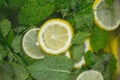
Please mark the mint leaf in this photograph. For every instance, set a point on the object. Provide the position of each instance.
(17, 44)
(2, 3)
(3, 53)
(89, 58)
(5, 27)
(20, 73)
(16, 4)
(10, 38)
(103, 62)
(51, 68)
(80, 37)
(99, 39)
(84, 19)
(1, 59)
(32, 13)
(6, 72)
(77, 52)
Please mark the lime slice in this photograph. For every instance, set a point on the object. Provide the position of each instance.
(55, 36)
(30, 44)
(90, 75)
(107, 17)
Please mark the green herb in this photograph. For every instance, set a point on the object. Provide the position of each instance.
(77, 52)
(103, 62)
(16, 4)
(80, 38)
(6, 72)
(84, 20)
(32, 13)
(51, 68)
(5, 27)
(20, 73)
(99, 39)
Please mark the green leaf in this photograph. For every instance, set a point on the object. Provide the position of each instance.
(89, 58)
(2, 3)
(10, 38)
(6, 72)
(84, 19)
(77, 52)
(32, 13)
(5, 27)
(99, 39)
(1, 59)
(20, 73)
(17, 44)
(63, 6)
(15, 4)
(80, 37)
(3, 53)
(103, 62)
(51, 68)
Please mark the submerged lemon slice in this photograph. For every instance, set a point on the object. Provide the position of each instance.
(55, 36)
(30, 44)
(90, 75)
(107, 17)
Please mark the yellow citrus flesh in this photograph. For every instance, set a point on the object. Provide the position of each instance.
(55, 36)
(105, 17)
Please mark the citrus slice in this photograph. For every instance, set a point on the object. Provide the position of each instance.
(90, 75)
(30, 44)
(107, 17)
(55, 36)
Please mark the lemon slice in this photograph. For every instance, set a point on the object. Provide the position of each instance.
(90, 75)
(55, 36)
(30, 44)
(107, 18)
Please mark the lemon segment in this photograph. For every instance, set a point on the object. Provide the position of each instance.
(90, 75)
(107, 18)
(55, 36)
(30, 44)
